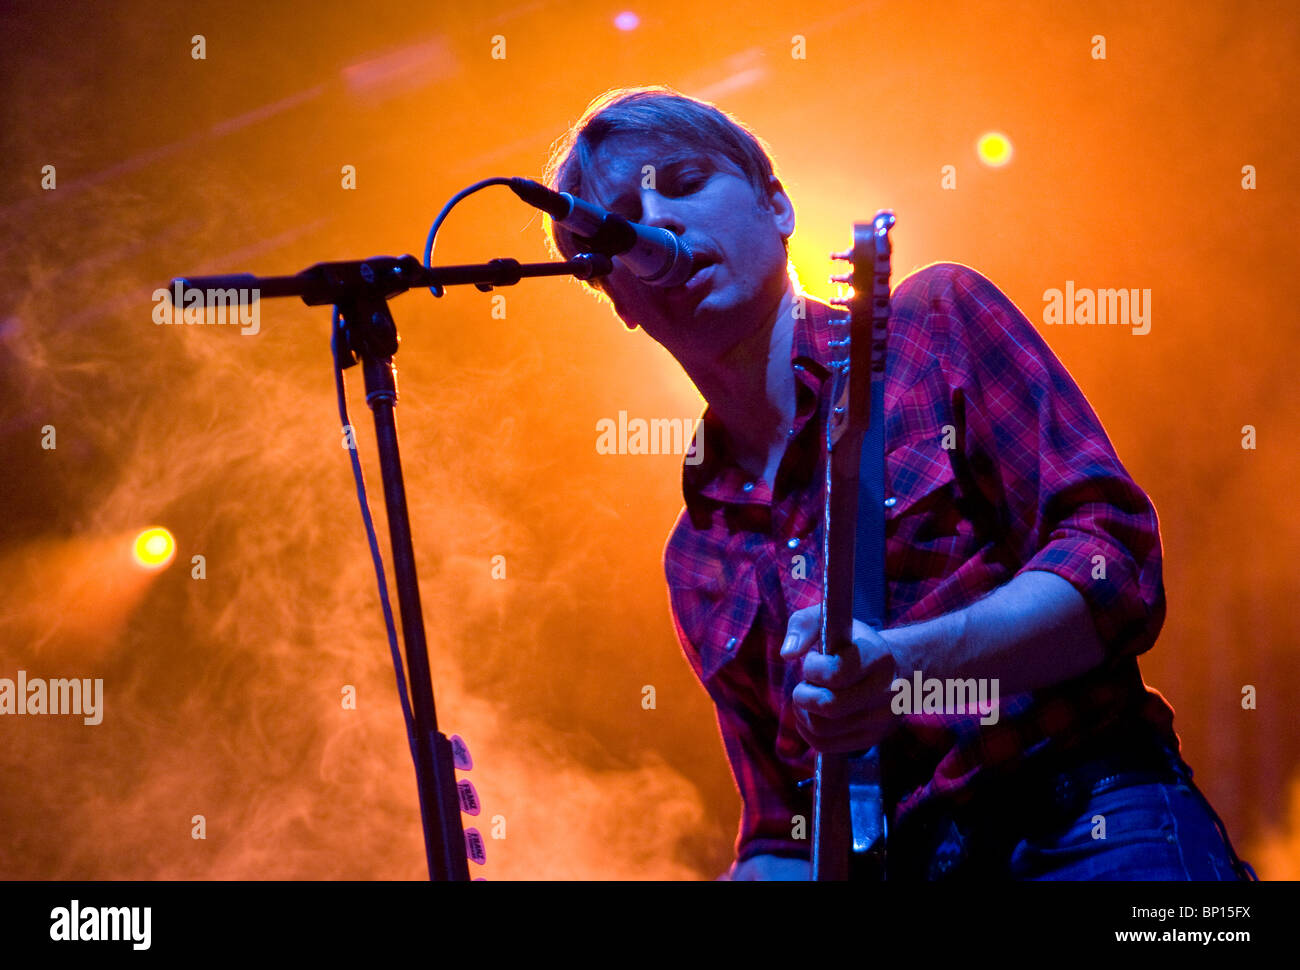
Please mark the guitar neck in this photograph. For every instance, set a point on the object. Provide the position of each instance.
(860, 363)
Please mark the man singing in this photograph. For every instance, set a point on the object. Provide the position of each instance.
(1019, 552)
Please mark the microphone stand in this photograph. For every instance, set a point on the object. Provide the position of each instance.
(366, 334)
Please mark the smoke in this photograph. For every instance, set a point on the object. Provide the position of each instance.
(224, 694)
(225, 674)
(1275, 853)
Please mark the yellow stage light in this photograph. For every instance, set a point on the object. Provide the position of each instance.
(994, 149)
(154, 548)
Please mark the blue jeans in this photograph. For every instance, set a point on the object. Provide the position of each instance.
(1141, 831)
(1106, 818)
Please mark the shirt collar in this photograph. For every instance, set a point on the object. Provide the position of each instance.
(810, 356)
(812, 335)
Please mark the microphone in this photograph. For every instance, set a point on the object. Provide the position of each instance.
(655, 256)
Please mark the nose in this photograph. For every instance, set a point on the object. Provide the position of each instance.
(659, 212)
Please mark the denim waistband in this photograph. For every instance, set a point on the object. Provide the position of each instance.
(945, 842)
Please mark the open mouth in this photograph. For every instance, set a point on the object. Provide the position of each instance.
(701, 272)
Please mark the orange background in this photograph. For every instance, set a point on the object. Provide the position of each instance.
(222, 696)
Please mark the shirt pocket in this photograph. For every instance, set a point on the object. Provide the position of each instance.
(929, 527)
(920, 479)
(717, 611)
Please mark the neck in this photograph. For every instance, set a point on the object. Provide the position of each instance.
(751, 388)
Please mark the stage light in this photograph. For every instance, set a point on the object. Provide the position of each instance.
(154, 548)
(994, 149)
(627, 20)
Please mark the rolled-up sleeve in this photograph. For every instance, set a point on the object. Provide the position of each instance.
(1067, 503)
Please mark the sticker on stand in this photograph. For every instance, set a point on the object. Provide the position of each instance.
(469, 803)
(460, 753)
(474, 847)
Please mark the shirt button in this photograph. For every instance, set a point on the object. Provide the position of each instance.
(790, 432)
(747, 487)
(793, 544)
(890, 502)
(731, 644)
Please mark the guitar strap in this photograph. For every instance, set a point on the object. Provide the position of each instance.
(866, 798)
(869, 545)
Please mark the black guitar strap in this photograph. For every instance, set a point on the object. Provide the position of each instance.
(866, 798)
(869, 546)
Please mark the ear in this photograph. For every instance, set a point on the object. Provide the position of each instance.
(781, 206)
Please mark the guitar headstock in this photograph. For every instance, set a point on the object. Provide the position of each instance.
(865, 326)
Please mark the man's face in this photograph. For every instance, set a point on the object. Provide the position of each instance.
(735, 237)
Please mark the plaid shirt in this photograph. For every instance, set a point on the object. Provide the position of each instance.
(1032, 483)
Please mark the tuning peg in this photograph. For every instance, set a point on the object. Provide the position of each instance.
(468, 795)
(475, 850)
(839, 302)
(460, 753)
(845, 256)
(846, 278)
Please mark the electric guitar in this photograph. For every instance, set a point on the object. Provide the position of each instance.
(849, 826)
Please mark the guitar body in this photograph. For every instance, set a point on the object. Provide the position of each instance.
(849, 829)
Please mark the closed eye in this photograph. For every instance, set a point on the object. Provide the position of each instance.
(686, 183)
(673, 184)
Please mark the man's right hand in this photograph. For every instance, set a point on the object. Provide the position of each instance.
(769, 867)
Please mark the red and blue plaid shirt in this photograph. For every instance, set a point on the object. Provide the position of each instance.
(1032, 483)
